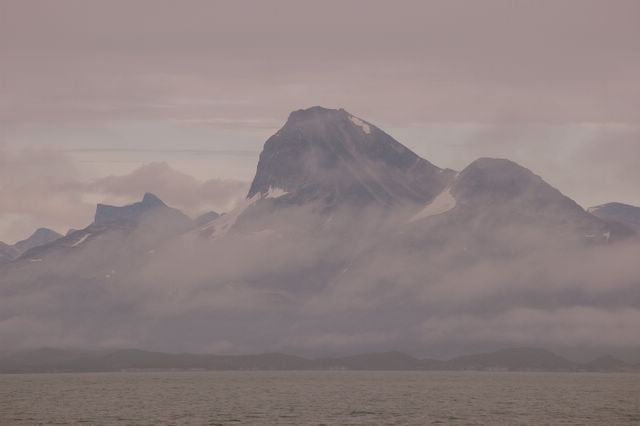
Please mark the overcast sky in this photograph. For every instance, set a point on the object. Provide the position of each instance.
(100, 100)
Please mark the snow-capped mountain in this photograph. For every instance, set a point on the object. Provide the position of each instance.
(336, 157)
(346, 238)
(333, 158)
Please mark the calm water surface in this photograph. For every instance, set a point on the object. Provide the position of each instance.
(320, 398)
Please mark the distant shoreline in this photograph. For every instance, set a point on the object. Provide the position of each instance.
(135, 360)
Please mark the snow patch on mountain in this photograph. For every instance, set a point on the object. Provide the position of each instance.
(275, 192)
(81, 240)
(444, 202)
(364, 126)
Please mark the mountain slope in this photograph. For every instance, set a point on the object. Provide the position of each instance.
(133, 214)
(147, 222)
(618, 212)
(40, 237)
(8, 253)
(501, 192)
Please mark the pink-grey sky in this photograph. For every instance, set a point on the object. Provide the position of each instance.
(92, 89)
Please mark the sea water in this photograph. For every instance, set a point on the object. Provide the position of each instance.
(320, 398)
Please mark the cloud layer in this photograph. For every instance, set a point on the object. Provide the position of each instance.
(298, 282)
(43, 188)
(572, 65)
(423, 61)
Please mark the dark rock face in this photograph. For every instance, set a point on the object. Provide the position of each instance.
(149, 216)
(150, 219)
(109, 214)
(618, 212)
(333, 156)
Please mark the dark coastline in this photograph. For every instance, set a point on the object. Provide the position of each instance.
(514, 359)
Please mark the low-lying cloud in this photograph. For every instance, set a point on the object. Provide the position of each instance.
(43, 188)
(305, 284)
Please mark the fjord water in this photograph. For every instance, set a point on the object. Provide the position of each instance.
(321, 398)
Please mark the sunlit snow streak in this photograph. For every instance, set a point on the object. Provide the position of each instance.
(364, 126)
(81, 240)
(441, 204)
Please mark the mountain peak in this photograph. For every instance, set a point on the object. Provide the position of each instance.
(44, 233)
(332, 155)
(150, 199)
(502, 191)
(40, 237)
(314, 119)
(316, 110)
(108, 214)
(496, 176)
(625, 214)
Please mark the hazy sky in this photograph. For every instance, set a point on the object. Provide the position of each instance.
(102, 100)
